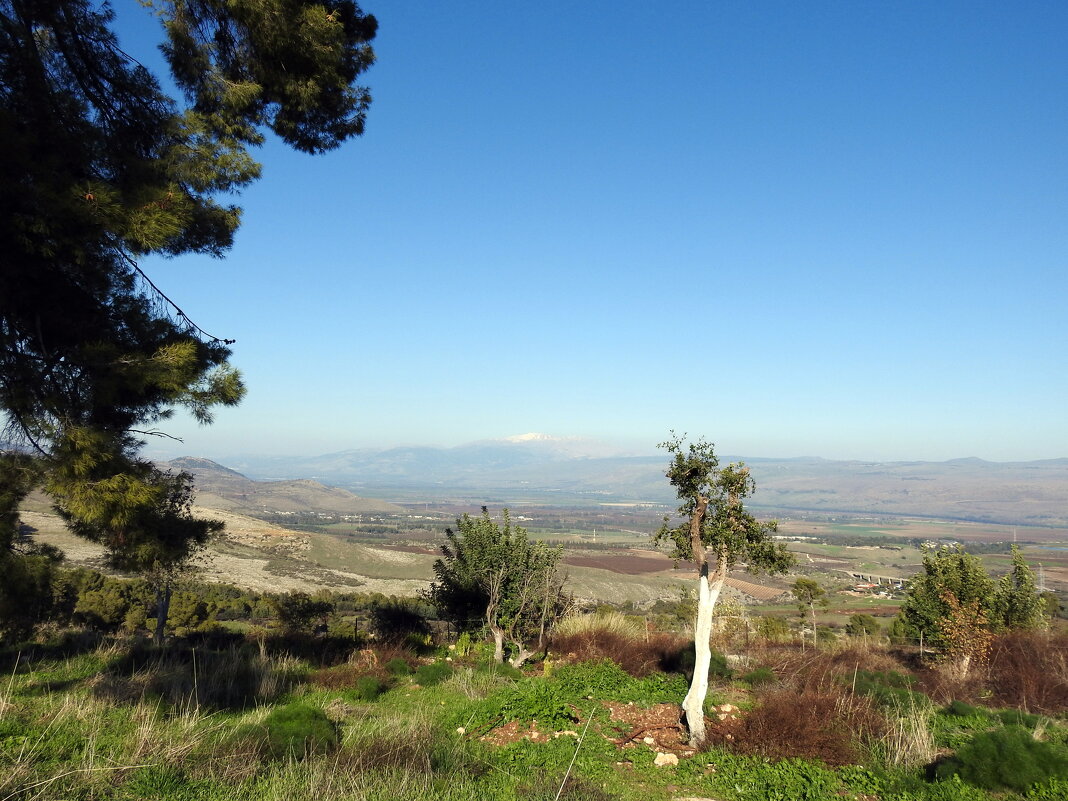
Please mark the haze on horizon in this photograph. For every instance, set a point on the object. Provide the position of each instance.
(823, 229)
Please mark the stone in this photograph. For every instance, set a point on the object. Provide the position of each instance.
(663, 759)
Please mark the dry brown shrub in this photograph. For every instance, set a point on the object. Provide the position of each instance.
(943, 682)
(817, 670)
(1029, 670)
(638, 657)
(808, 724)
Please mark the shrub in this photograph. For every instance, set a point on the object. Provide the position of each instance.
(809, 725)
(1005, 758)
(1029, 670)
(298, 729)
(434, 673)
(366, 688)
(398, 666)
(394, 620)
(887, 687)
(638, 656)
(759, 677)
(861, 625)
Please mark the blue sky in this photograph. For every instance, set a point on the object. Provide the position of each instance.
(831, 229)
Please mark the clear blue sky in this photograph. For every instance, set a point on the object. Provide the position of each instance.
(827, 228)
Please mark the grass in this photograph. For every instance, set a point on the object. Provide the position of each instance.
(112, 720)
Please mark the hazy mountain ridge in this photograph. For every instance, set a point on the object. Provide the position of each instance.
(1014, 493)
(220, 487)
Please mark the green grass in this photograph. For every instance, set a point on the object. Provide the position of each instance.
(84, 727)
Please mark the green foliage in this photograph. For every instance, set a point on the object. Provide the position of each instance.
(398, 666)
(1005, 758)
(953, 586)
(546, 702)
(396, 619)
(109, 169)
(861, 625)
(809, 594)
(772, 628)
(1049, 790)
(298, 729)
(759, 677)
(492, 575)
(433, 673)
(1018, 605)
(712, 507)
(366, 688)
(298, 611)
(888, 687)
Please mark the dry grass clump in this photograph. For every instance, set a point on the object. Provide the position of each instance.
(810, 724)
(1029, 670)
(621, 639)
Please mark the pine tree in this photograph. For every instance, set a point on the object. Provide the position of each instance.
(100, 168)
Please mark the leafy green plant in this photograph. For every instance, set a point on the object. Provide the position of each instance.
(1005, 758)
(298, 729)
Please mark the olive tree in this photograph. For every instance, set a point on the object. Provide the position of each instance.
(716, 533)
(491, 575)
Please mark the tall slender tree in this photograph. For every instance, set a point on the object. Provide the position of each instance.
(716, 533)
(100, 168)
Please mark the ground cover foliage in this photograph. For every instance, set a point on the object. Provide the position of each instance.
(87, 714)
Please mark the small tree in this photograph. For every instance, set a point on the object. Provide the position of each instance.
(944, 569)
(298, 611)
(954, 581)
(716, 533)
(809, 594)
(1017, 602)
(492, 575)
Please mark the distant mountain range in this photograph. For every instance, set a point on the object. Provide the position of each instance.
(219, 487)
(563, 471)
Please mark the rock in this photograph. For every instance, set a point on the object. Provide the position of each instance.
(663, 759)
(648, 740)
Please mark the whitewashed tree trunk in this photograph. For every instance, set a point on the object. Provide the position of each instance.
(693, 705)
(498, 644)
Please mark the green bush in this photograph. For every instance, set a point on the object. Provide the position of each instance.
(366, 688)
(759, 677)
(398, 666)
(434, 673)
(962, 709)
(1005, 758)
(887, 687)
(298, 729)
(1049, 790)
(1017, 717)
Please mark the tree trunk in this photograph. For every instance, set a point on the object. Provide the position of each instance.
(693, 706)
(521, 656)
(498, 644)
(163, 608)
